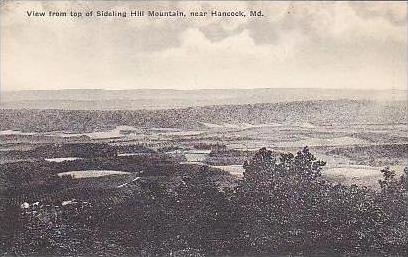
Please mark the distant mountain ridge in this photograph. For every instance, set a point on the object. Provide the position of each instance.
(98, 99)
(329, 112)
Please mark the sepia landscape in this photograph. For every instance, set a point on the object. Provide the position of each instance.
(203, 128)
(301, 177)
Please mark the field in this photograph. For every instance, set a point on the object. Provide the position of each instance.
(61, 167)
(354, 152)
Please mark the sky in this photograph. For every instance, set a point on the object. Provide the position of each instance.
(347, 45)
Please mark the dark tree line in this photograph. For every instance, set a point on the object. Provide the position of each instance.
(282, 206)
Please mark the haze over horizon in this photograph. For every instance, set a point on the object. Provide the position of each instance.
(326, 45)
(203, 89)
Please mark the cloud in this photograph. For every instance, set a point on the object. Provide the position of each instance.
(299, 44)
(393, 12)
(216, 32)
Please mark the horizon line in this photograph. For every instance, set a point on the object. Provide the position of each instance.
(203, 89)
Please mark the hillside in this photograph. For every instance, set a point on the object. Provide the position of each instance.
(329, 112)
(167, 99)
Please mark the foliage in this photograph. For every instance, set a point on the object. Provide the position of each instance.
(282, 206)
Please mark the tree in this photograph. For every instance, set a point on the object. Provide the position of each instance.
(264, 164)
(286, 207)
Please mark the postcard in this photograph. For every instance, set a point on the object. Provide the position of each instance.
(203, 128)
